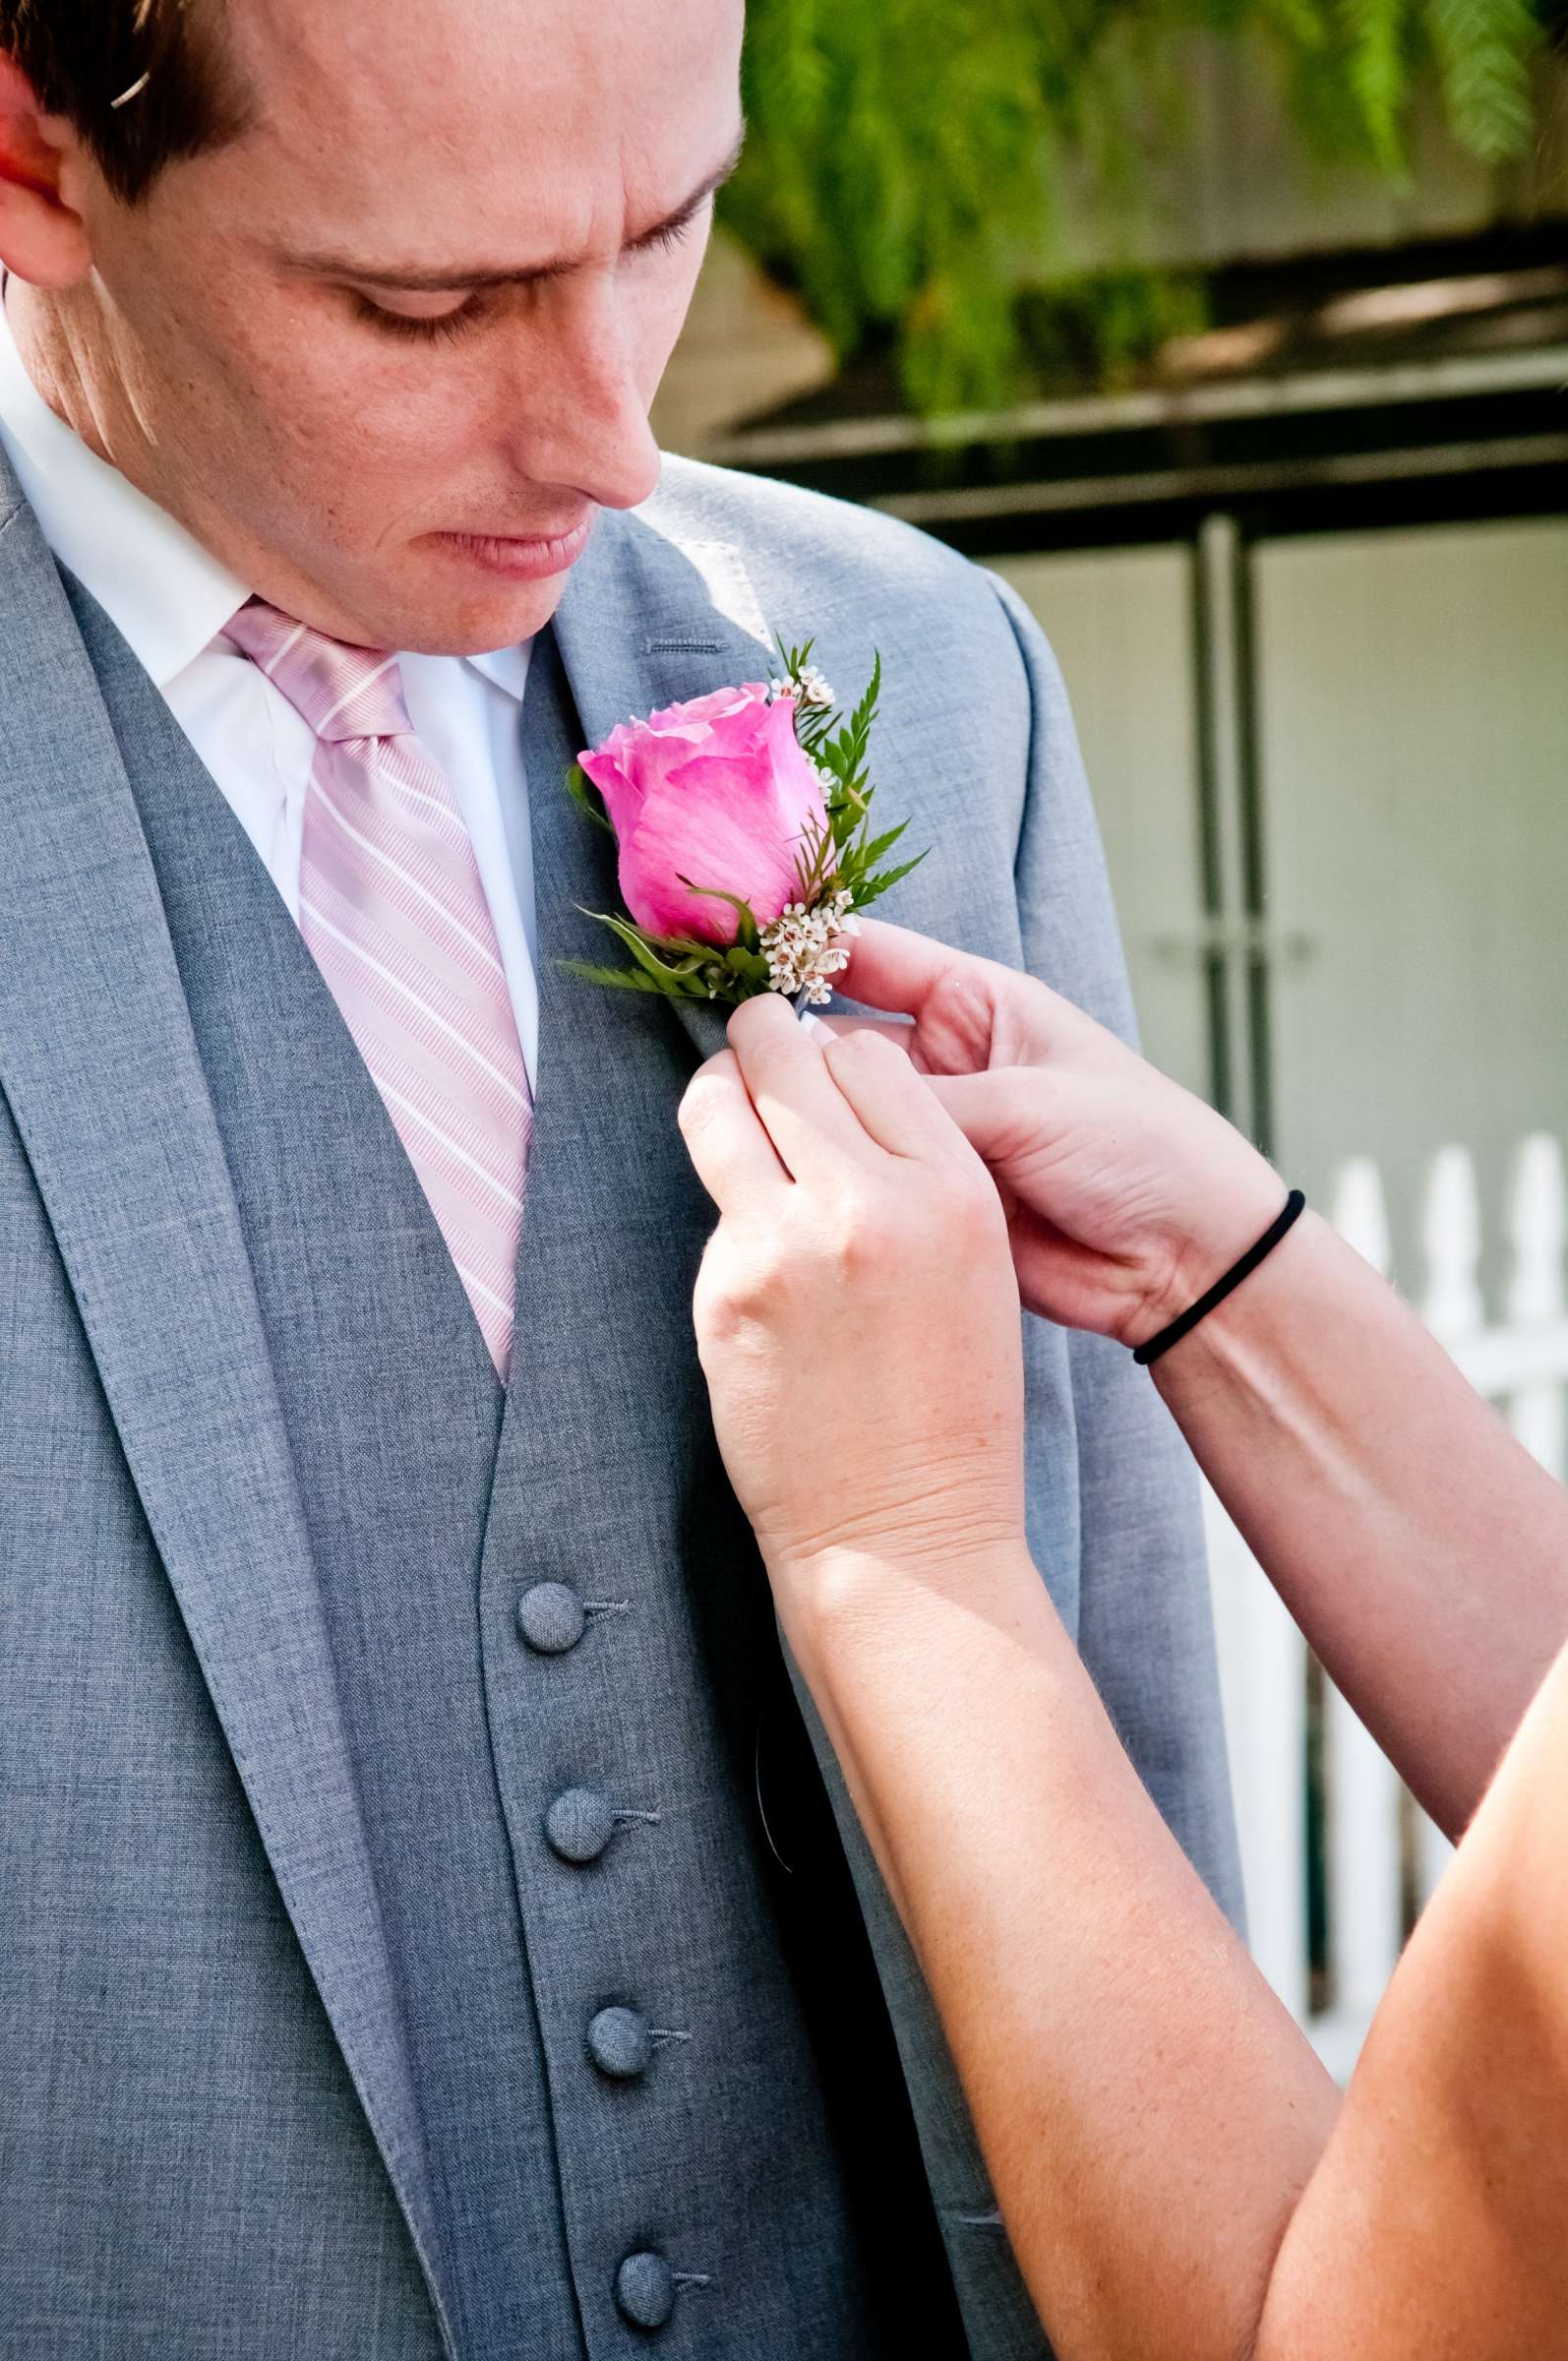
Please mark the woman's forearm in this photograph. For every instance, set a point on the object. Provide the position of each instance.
(1419, 1548)
(1433, 2223)
(1148, 2111)
(1173, 2167)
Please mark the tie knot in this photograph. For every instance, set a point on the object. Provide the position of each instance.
(342, 692)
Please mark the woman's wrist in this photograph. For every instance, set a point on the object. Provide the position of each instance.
(1241, 1342)
(1232, 1220)
(857, 1602)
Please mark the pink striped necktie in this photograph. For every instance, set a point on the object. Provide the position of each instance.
(393, 911)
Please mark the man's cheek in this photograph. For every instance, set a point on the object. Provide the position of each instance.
(335, 427)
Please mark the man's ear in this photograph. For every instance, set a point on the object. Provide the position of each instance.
(42, 239)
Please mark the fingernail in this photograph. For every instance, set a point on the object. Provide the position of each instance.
(815, 1026)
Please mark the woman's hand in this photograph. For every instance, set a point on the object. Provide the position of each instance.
(856, 1310)
(1126, 1197)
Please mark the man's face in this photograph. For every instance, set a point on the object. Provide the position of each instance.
(401, 466)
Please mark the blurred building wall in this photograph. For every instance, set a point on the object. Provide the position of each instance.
(1409, 789)
(1230, 179)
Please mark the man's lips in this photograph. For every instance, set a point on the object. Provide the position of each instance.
(521, 557)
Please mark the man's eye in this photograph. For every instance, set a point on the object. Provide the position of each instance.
(431, 327)
(673, 236)
(670, 238)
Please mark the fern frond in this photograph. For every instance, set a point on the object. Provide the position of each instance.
(1483, 49)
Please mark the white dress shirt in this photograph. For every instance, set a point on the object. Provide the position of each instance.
(169, 599)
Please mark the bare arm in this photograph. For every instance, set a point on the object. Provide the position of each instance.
(1148, 2112)
(1161, 2139)
(1433, 2224)
(1422, 1551)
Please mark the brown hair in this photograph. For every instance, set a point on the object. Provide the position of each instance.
(142, 82)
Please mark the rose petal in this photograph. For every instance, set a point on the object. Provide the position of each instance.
(716, 791)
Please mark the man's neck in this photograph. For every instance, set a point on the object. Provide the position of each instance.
(161, 587)
(54, 341)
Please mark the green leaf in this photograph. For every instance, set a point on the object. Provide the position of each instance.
(621, 978)
(678, 981)
(585, 796)
(880, 846)
(866, 712)
(1484, 48)
(750, 934)
(874, 887)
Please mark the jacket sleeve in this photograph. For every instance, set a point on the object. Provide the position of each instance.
(1143, 1616)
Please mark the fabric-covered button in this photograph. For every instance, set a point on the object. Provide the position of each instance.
(619, 2043)
(645, 2289)
(551, 1619)
(579, 1825)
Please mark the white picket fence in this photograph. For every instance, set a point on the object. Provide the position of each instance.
(1381, 1857)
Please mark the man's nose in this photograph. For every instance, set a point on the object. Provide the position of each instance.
(581, 418)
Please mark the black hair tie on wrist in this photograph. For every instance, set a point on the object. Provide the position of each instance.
(1294, 1207)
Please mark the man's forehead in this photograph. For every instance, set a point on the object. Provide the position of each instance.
(417, 60)
(530, 130)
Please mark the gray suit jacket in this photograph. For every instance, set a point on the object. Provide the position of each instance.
(209, 2134)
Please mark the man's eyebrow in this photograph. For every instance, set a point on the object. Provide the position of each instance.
(414, 282)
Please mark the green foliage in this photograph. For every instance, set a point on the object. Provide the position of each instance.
(1480, 44)
(845, 859)
(908, 159)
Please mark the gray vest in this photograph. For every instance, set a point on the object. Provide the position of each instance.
(653, 2075)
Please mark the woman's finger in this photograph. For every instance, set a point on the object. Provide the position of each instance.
(808, 1120)
(1007, 1116)
(891, 1101)
(966, 1011)
(727, 1140)
(889, 967)
(952, 998)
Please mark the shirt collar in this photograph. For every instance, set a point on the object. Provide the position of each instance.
(165, 594)
(508, 667)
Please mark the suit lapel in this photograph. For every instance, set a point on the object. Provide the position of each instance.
(99, 1062)
(646, 621)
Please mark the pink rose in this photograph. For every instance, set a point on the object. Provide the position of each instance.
(717, 791)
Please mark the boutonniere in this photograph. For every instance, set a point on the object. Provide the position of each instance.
(743, 822)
